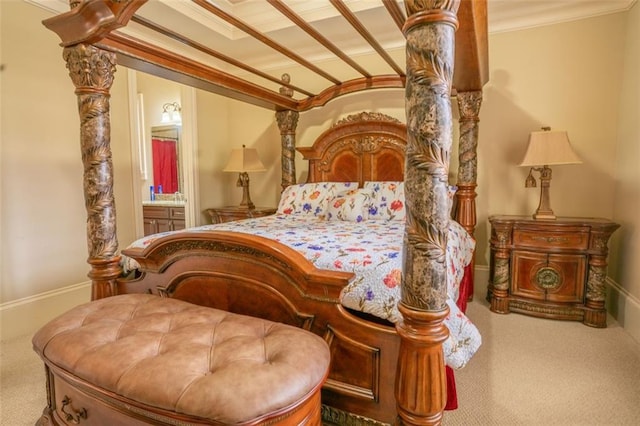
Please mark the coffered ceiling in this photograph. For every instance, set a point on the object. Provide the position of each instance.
(189, 18)
(258, 40)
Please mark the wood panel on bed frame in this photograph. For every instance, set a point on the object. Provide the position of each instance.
(402, 376)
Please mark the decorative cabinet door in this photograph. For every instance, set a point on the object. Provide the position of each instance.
(551, 277)
(550, 268)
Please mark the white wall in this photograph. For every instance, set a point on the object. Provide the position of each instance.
(214, 147)
(581, 77)
(624, 301)
(41, 174)
(555, 76)
(43, 247)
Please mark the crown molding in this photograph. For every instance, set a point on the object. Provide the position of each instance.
(514, 15)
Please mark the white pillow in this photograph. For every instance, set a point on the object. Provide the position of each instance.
(351, 205)
(310, 199)
(387, 200)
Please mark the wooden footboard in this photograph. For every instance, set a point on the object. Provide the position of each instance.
(255, 276)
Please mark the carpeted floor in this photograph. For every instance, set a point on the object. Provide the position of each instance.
(529, 371)
(532, 371)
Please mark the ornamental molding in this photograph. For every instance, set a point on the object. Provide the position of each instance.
(366, 116)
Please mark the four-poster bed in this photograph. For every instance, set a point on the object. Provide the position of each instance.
(358, 242)
(92, 48)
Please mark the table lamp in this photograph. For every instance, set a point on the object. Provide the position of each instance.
(242, 161)
(546, 148)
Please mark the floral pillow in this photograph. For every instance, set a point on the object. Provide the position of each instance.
(310, 199)
(387, 200)
(351, 205)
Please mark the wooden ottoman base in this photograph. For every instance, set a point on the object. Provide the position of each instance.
(74, 402)
(224, 368)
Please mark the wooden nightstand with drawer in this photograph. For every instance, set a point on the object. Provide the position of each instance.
(227, 214)
(550, 268)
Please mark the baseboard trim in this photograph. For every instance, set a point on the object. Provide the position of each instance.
(25, 316)
(480, 281)
(624, 308)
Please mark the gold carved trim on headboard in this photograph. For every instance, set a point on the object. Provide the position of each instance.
(366, 116)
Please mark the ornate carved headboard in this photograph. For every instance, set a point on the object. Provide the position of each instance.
(361, 147)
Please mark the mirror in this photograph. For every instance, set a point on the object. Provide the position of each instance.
(165, 154)
(147, 95)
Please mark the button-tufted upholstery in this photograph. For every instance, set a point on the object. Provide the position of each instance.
(186, 358)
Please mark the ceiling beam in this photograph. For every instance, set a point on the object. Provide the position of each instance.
(188, 42)
(357, 25)
(92, 20)
(263, 38)
(296, 19)
(471, 70)
(145, 57)
(396, 13)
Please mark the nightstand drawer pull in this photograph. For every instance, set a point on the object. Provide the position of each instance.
(177, 213)
(551, 239)
(72, 415)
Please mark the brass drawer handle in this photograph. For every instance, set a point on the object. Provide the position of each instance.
(550, 239)
(72, 415)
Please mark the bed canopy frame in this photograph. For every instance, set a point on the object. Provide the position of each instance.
(439, 34)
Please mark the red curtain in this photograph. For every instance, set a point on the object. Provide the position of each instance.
(165, 165)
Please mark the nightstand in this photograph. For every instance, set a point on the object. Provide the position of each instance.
(227, 214)
(550, 268)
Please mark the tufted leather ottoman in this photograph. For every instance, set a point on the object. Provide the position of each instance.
(140, 359)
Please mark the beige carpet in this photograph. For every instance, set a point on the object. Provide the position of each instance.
(532, 371)
(529, 371)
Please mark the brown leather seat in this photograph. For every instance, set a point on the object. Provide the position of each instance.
(187, 359)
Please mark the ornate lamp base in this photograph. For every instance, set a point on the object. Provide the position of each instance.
(243, 181)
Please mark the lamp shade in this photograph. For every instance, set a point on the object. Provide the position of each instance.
(244, 160)
(547, 147)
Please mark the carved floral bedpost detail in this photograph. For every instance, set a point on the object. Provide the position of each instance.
(287, 122)
(421, 381)
(469, 107)
(500, 273)
(91, 70)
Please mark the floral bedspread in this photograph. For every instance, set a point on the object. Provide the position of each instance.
(372, 250)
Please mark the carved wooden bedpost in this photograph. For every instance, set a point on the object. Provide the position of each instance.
(287, 122)
(421, 381)
(469, 108)
(91, 69)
